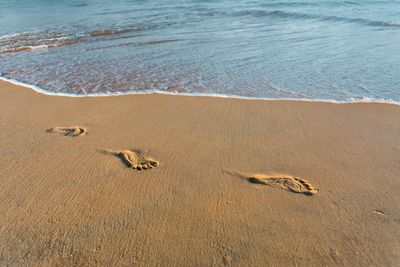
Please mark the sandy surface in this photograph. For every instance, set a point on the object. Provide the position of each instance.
(74, 200)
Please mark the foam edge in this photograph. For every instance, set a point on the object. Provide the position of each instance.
(155, 91)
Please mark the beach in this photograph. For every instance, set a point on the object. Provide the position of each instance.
(74, 200)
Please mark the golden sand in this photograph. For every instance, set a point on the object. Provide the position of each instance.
(63, 201)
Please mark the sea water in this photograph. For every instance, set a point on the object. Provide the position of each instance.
(316, 49)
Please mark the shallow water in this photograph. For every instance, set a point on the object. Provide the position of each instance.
(329, 50)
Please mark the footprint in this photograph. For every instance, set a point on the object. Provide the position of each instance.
(379, 212)
(68, 131)
(285, 182)
(134, 159)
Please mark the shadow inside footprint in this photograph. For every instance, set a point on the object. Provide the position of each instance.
(134, 159)
(68, 131)
(255, 180)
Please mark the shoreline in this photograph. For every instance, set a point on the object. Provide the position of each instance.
(155, 91)
(214, 193)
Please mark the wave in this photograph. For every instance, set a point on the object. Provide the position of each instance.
(311, 3)
(155, 91)
(305, 16)
(36, 40)
(55, 38)
(132, 44)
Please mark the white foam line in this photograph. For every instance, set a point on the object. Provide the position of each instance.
(155, 91)
(8, 36)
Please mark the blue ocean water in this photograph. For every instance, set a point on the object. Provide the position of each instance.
(315, 49)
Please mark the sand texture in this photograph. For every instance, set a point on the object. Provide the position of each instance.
(146, 180)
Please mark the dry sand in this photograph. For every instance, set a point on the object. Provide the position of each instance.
(213, 194)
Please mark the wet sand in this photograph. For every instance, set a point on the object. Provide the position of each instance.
(222, 181)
